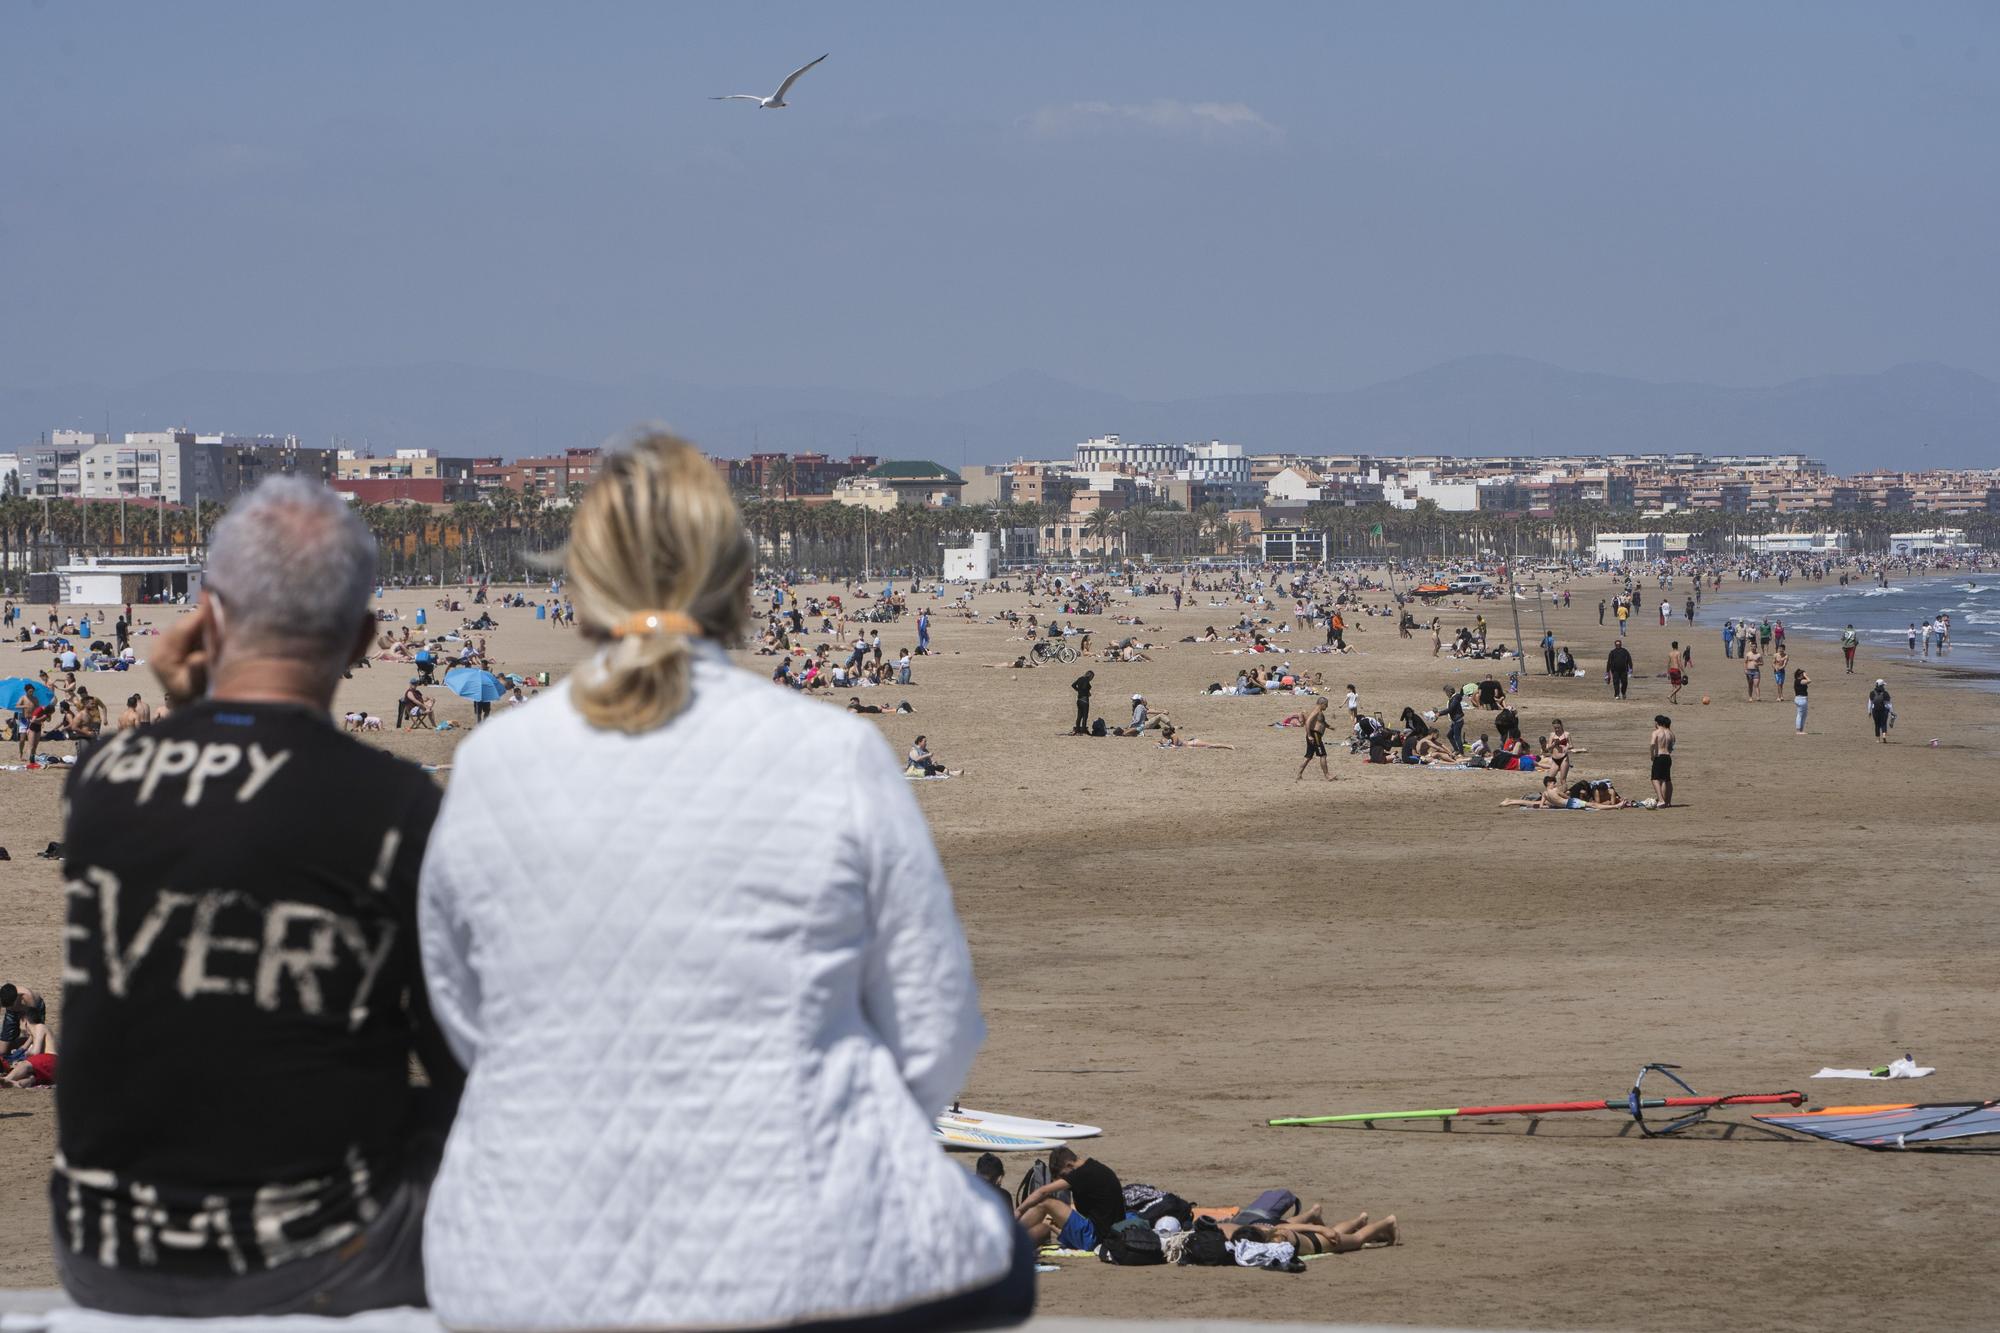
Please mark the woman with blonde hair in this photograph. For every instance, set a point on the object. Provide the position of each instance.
(721, 903)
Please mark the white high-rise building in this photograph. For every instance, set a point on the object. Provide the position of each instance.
(1215, 462)
(1108, 453)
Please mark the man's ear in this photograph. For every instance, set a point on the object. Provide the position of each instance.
(364, 639)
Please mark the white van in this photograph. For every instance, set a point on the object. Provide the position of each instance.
(1472, 583)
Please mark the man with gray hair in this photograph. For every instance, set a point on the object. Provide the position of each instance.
(241, 880)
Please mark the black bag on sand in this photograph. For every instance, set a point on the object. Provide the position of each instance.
(1169, 1205)
(1207, 1246)
(1131, 1244)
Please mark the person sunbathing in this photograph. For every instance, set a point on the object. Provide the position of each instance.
(1552, 798)
(1173, 740)
(1309, 1234)
(1599, 794)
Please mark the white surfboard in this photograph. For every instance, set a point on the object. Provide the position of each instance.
(966, 1117)
(971, 1138)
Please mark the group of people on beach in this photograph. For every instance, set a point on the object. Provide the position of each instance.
(1934, 635)
(27, 1045)
(1078, 1204)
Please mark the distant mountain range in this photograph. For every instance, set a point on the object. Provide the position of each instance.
(1910, 416)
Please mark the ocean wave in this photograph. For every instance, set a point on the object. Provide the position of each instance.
(1882, 592)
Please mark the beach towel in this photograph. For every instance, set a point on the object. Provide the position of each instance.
(1902, 1068)
(1278, 1255)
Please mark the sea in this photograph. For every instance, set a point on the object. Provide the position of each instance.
(1880, 615)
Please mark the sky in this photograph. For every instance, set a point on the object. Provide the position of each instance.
(1158, 199)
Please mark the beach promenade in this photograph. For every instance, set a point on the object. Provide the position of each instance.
(1181, 944)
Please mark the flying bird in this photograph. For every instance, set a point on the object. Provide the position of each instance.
(776, 99)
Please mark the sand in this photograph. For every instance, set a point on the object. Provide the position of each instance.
(1179, 945)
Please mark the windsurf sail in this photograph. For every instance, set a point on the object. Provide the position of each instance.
(1687, 1111)
(1896, 1126)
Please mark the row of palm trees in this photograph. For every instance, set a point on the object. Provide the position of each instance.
(510, 535)
(38, 533)
(837, 538)
(497, 536)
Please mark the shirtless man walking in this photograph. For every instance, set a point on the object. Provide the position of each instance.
(1316, 741)
(1661, 747)
(1676, 673)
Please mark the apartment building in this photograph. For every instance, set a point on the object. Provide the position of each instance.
(179, 466)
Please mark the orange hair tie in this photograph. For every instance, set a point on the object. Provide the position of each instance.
(656, 622)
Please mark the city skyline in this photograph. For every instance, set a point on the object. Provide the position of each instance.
(1483, 405)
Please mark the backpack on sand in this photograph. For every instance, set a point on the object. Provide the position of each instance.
(1032, 1179)
(1131, 1244)
(1207, 1246)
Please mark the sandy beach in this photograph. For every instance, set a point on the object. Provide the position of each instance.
(1178, 945)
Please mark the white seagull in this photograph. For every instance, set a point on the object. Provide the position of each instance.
(776, 99)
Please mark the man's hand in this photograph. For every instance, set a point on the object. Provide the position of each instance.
(181, 660)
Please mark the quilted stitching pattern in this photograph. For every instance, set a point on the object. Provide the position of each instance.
(706, 980)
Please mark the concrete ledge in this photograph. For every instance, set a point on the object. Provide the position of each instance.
(49, 1311)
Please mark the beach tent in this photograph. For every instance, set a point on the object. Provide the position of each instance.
(1898, 1126)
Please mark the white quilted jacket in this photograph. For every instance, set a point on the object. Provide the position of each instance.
(710, 988)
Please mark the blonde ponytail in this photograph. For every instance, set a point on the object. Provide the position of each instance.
(657, 557)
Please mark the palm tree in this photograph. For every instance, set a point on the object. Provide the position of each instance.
(781, 477)
(1209, 518)
(1132, 523)
(1098, 523)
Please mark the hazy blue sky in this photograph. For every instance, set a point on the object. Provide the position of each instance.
(1154, 198)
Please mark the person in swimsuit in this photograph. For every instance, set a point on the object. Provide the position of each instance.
(1552, 798)
(1316, 742)
(33, 1071)
(1171, 740)
(1558, 746)
(1309, 1234)
(1676, 676)
(1661, 746)
(1753, 672)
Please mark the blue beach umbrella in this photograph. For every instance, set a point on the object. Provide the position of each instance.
(471, 683)
(11, 692)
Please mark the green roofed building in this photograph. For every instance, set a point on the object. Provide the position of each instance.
(905, 481)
